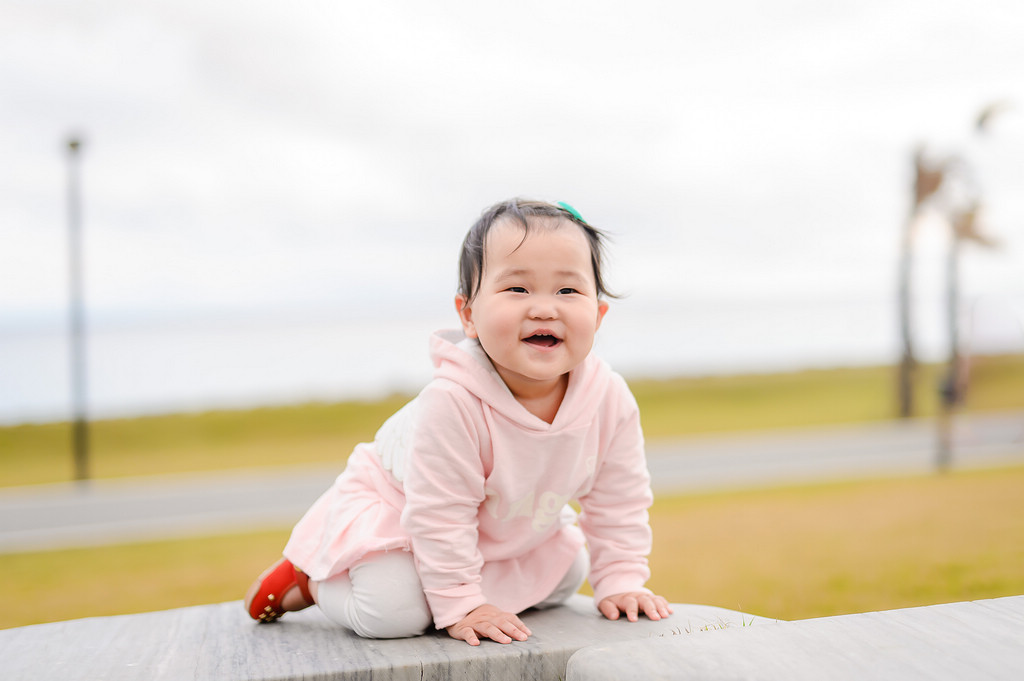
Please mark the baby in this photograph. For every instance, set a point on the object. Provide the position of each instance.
(458, 513)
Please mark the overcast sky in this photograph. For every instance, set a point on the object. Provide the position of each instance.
(331, 155)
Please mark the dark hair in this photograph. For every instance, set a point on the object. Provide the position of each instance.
(471, 258)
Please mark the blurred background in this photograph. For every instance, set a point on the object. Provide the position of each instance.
(270, 198)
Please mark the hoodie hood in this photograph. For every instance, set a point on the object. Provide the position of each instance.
(463, 361)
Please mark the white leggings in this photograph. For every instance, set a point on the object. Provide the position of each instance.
(381, 596)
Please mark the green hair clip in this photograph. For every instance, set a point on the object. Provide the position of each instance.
(572, 211)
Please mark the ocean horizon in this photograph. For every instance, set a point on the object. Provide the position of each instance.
(181, 363)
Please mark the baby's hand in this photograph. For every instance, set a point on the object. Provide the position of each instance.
(489, 622)
(632, 603)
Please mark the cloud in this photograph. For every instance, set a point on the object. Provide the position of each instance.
(286, 145)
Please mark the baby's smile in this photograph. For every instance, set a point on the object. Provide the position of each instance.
(543, 340)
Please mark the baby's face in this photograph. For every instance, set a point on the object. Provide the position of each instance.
(537, 309)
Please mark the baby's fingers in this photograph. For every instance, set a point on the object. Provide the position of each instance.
(503, 631)
(609, 609)
(495, 633)
(633, 604)
(500, 627)
(632, 608)
(655, 607)
(464, 634)
(515, 628)
(664, 609)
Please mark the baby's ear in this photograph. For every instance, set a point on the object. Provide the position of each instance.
(465, 312)
(602, 309)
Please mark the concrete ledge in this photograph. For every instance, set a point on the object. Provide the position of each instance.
(219, 642)
(956, 641)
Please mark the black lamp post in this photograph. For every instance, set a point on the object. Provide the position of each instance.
(80, 428)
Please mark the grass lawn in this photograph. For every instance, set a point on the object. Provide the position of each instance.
(812, 551)
(788, 553)
(209, 441)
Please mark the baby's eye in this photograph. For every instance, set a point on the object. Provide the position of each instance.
(516, 289)
(566, 291)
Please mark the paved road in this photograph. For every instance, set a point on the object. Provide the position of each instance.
(809, 454)
(112, 511)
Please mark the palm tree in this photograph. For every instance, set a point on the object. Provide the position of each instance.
(963, 222)
(928, 179)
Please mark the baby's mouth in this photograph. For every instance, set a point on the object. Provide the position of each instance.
(542, 340)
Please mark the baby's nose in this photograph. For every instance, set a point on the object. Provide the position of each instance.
(543, 310)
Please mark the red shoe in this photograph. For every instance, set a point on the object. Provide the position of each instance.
(263, 602)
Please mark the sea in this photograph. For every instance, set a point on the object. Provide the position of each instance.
(154, 364)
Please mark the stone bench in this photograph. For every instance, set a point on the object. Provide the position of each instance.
(219, 642)
(974, 640)
(956, 641)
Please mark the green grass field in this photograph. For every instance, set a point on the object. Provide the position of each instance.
(818, 550)
(790, 553)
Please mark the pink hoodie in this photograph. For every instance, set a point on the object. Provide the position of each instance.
(477, 488)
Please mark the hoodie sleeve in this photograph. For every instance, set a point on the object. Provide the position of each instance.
(614, 514)
(444, 488)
